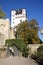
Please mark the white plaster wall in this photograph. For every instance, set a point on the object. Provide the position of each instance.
(15, 19)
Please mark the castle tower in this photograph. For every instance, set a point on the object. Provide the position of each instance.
(17, 16)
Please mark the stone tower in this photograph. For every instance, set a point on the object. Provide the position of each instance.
(17, 16)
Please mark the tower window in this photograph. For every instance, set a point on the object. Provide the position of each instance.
(13, 11)
(13, 19)
(13, 22)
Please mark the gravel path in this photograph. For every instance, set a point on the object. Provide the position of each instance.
(17, 61)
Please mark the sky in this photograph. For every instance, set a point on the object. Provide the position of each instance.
(34, 9)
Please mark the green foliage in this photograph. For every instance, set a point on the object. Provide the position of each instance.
(9, 42)
(25, 52)
(34, 24)
(2, 14)
(34, 55)
(40, 53)
(22, 30)
(17, 42)
(28, 31)
(33, 37)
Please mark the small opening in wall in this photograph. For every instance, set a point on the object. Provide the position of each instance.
(13, 11)
(13, 19)
(13, 22)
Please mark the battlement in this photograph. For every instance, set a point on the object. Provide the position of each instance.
(19, 11)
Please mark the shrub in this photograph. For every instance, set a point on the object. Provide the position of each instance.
(40, 53)
(19, 43)
(34, 56)
(25, 52)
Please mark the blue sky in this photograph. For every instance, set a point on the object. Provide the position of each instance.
(34, 9)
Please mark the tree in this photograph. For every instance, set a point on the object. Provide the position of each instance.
(28, 31)
(22, 30)
(33, 29)
(33, 37)
(34, 25)
(2, 14)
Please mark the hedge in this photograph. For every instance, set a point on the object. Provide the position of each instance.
(17, 42)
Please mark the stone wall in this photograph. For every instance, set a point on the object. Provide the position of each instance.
(3, 53)
(33, 47)
(4, 30)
